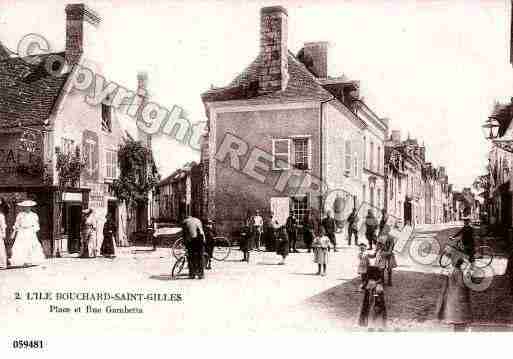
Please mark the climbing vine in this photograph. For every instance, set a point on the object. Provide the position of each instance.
(138, 173)
(69, 167)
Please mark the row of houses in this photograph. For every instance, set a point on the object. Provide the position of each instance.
(287, 137)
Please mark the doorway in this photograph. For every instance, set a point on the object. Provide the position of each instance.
(71, 221)
(408, 215)
(112, 213)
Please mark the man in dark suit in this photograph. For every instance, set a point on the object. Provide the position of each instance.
(291, 226)
(328, 223)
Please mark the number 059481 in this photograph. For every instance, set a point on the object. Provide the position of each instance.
(27, 344)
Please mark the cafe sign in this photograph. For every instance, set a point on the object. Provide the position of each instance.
(19, 149)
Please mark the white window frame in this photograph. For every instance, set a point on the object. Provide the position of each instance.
(308, 149)
(67, 145)
(355, 164)
(274, 141)
(113, 165)
(348, 156)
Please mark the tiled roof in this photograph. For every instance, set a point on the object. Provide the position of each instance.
(27, 91)
(302, 85)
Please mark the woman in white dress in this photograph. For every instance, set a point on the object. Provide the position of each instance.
(26, 249)
(3, 228)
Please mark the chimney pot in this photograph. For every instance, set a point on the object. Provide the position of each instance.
(76, 16)
(273, 69)
(318, 54)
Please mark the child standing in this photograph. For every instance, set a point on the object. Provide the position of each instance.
(320, 247)
(363, 265)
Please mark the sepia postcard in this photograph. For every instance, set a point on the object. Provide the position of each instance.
(254, 168)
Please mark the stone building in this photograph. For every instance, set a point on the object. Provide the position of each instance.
(416, 191)
(40, 111)
(284, 136)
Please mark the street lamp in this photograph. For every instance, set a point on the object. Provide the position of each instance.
(491, 128)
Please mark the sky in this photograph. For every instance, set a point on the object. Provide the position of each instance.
(434, 68)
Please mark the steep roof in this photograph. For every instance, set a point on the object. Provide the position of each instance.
(27, 91)
(302, 86)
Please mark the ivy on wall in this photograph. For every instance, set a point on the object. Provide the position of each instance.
(69, 167)
(138, 173)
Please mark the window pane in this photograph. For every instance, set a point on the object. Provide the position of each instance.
(281, 146)
(301, 153)
(300, 208)
(348, 155)
(281, 161)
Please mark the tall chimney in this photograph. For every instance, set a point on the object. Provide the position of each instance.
(78, 18)
(318, 54)
(273, 72)
(396, 136)
(142, 92)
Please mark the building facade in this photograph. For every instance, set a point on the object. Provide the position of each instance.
(285, 137)
(42, 113)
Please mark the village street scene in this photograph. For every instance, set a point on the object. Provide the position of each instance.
(308, 184)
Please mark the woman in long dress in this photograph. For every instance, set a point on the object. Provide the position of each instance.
(3, 229)
(455, 308)
(26, 249)
(88, 234)
(109, 230)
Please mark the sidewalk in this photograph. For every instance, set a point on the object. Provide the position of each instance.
(493, 308)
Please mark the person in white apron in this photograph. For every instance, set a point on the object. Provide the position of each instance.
(26, 249)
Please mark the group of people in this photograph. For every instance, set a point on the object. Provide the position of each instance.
(89, 236)
(26, 249)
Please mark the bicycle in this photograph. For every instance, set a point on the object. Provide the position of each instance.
(182, 263)
(222, 248)
(483, 255)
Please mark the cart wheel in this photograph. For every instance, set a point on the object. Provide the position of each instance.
(445, 260)
(178, 267)
(178, 248)
(483, 256)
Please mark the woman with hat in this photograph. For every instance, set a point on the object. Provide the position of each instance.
(3, 228)
(88, 234)
(26, 249)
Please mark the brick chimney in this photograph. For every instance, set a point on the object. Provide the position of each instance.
(142, 92)
(317, 52)
(79, 20)
(273, 72)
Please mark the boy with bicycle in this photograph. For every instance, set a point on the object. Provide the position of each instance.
(467, 239)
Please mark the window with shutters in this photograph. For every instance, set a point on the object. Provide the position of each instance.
(371, 159)
(348, 155)
(281, 154)
(355, 164)
(67, 145)
(111, 164)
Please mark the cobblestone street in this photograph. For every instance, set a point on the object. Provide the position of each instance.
(261, 297)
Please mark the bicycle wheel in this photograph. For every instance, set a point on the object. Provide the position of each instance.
(222, 249)
(445, 259)
(483, 256)
(178, 267)
(178, 248)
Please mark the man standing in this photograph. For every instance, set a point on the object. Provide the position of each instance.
(328, 224)
(258, 225)
(291, 226)
(352, 227)
(194, 239)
